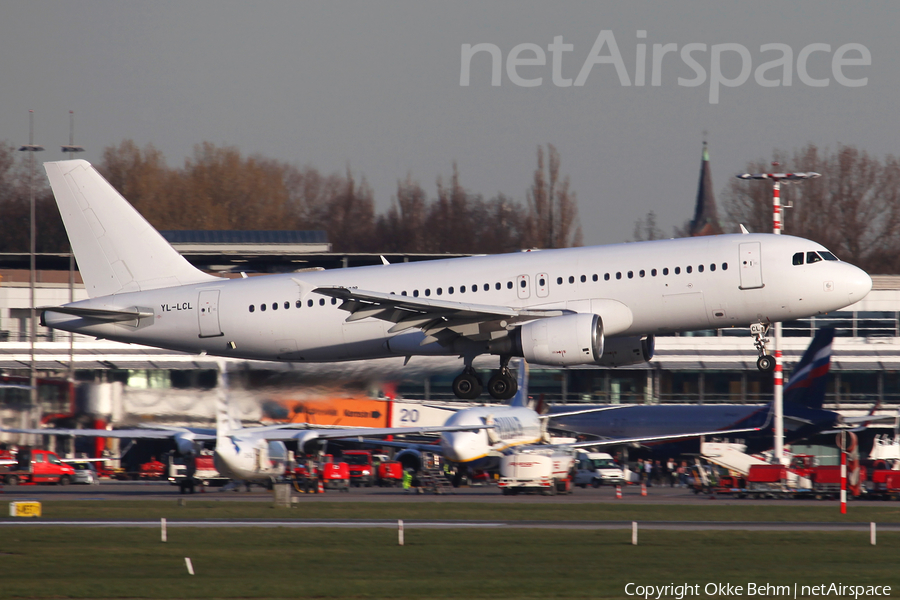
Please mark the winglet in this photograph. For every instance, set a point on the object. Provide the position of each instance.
(744, 229)
(384, 261)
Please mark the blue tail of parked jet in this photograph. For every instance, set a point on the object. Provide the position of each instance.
(806, 386)
(521, 397)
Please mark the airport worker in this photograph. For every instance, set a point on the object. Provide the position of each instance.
(407, 479)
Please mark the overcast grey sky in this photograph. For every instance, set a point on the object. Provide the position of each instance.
(376, 85)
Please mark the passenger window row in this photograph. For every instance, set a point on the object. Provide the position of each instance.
(461, 289)
(509, 284)
(643, 273)
(287, 304)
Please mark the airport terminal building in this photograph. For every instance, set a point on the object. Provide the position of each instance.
(124, 384)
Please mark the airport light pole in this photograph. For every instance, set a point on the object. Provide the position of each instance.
(71, 148)
(777, 227)
(31, 148)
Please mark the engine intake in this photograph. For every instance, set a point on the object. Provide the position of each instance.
(575, 339)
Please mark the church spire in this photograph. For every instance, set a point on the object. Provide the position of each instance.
(706, 218)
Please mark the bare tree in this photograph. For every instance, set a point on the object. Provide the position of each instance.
(645, 228)
(853, 209)
(552, 206)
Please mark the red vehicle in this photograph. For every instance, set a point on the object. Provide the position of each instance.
(335, 475)
(390, 472)
(153, 470)
(885, 483)
(362, 468)
(34, 466)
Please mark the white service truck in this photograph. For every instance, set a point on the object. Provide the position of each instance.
(540, 470)
(596, 469)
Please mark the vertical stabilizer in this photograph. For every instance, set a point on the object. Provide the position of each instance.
(116, 248)
(807, 384)
(521, 397)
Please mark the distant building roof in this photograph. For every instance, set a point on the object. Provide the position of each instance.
(199, 236)
(706, 217)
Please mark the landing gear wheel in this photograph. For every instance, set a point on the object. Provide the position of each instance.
(467, 386)
(502, 386)
(766, 363)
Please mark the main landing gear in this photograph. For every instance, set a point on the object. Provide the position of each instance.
(501, 386)
(765, 362)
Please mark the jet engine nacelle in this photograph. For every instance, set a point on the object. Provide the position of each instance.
(410, 459)
(622, 351)
(575, 339)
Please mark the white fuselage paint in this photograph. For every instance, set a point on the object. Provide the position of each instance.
(513, 426)
(759, 284)
(246, 457)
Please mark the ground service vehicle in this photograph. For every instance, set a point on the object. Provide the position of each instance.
(152, 470)
(547, 471)
(596, 469)
(361, 467)
(204, 474)
(885, 483)
(390, 472)
(36, 466)
(335, 475)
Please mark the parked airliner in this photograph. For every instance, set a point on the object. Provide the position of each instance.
(804, 413)
(250, 454)
(595, 305)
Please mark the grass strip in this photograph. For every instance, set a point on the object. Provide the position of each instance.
(65, 562)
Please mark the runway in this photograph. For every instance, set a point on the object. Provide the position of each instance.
(141, 490)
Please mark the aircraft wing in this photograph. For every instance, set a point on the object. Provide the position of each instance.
(440, 320)
(869, 419)
(304, 435)
(583, 411)
(142, 433)
(644, 440)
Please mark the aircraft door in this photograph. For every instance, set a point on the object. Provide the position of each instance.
(522, 287)
(208, 314)
(751, 266)
(542, 285)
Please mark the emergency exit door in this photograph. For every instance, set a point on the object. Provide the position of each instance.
(751, 266)
(208, 313)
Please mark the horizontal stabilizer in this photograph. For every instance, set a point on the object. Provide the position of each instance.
(98, 314)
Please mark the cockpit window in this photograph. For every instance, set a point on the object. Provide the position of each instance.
(798, 258)
(812, 257)
(828, 256)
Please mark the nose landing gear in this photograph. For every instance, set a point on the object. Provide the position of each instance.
(765, 362)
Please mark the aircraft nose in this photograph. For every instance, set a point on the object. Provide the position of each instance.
(859, 284)
(455, 446)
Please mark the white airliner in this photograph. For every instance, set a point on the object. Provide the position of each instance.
(596, 305)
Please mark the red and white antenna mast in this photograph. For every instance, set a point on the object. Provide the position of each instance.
(777, 228)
